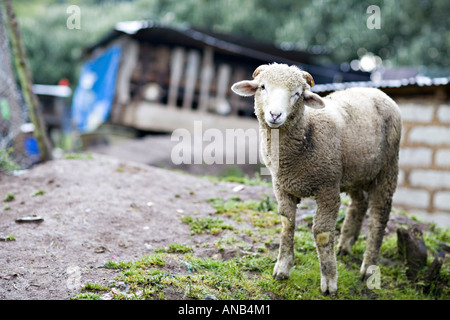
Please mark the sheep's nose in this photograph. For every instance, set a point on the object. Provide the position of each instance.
(275, 116)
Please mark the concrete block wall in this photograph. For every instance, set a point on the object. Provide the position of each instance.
(424, 178)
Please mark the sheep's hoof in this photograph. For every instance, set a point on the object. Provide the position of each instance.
(328, 293)
(328, 286)
(364, 277)
(280, 276)
(281, 270)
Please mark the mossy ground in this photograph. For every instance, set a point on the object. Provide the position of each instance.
(251, 228)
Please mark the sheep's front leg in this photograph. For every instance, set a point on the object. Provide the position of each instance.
(287, 205)
(328, 203)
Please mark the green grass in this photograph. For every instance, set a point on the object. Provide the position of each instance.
(206, 225)
(38, 193)
(260, 213)
(9, 238)
(9, 197)
(95, 287)
(238, 177)
(175, 248)
(87, 296)
(176, 272)
(250, 277)
(82, 155)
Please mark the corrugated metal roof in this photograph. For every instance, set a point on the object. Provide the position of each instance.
(185, 34)
(418, 81)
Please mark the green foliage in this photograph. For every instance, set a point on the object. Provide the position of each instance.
(412, 32)
(47, 38)
(6, 163)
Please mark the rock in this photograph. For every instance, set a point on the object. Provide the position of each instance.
(101, 249)
(33, 218)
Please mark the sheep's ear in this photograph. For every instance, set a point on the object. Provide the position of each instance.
(245, 88)
(309, 79)
(313, 100)
(258, 70)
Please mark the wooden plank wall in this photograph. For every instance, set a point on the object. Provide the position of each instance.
(190, 79)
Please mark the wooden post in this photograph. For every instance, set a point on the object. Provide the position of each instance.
(412, 249)
(223, 79)
(235, 100)
(162, 60)
(25, 79)
(206, 78)
(128, 64)
(176, 72)
(193, 61)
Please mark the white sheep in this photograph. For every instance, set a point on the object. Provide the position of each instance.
(347, 142)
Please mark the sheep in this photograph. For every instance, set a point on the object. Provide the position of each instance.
(346, 142)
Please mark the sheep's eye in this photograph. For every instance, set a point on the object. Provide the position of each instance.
(263, 87)
(296, 95)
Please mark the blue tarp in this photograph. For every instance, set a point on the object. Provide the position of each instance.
(93, 97)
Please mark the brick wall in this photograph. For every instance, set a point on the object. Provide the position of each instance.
(424, 178)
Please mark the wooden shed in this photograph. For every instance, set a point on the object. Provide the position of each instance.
(171, 76)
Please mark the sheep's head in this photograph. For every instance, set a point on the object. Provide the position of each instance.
(280, 92)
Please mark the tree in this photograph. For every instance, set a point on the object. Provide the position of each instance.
(412, 32)
(25, 79)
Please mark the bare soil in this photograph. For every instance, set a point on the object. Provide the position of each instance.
(95, 211)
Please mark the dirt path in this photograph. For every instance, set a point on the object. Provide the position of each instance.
(94, 211)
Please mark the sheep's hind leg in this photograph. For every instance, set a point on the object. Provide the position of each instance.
(287, 205)
(380, 202)
(324, 227)
(353, 220)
